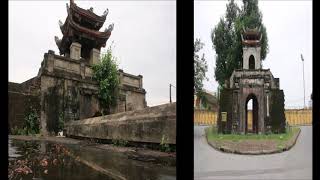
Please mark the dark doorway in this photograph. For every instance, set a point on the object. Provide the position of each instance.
(252, 114)
(251, 62)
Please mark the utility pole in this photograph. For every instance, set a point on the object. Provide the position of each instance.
(170, 85)
(170, 92)
(304, 99)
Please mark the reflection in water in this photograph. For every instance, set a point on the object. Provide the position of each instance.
(43, 160)
(13, 153)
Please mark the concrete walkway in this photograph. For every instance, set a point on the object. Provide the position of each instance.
(293, 164)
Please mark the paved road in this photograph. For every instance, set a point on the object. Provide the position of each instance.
(293, 164)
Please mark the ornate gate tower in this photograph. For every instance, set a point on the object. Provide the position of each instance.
(251, 83)
(81, 35)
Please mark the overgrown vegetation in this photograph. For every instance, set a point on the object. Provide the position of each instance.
(31, 124)
(106, 74)
(164, 146)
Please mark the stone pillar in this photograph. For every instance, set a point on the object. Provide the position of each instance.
(120, 76)
(242, 112)
(75, 51)
(245, 58)
(82, 70)
(94, 56)
(140, 80)
(267, 104)
(50, 61)
(257, 58)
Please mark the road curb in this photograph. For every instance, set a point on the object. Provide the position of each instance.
(225, 149)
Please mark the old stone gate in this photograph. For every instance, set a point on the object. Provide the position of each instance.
(251, 83)
(64, 87)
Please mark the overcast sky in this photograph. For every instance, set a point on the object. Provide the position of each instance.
(289, 29)
(144, 36)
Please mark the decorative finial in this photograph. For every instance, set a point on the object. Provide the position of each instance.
(67, 6)
(105, 13)
(60, 23)
(110, 28)
(91, 9)
(57, 40)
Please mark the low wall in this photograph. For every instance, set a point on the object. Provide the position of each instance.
(293, 117)
(148, 125)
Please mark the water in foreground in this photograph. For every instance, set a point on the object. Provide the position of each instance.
(46, 160)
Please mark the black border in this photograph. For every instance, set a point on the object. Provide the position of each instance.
(185, 19)
(4, 93)
(185, 24)
(315, 100)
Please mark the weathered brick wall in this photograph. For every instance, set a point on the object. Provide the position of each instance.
(19, 102)
(147, 125)
(68, 99)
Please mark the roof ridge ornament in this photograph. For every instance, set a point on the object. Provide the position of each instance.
(60, 23)
(106, 12)
(110, 28)
(57, 40)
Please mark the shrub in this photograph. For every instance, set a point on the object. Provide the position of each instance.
(106, 74)
(164, 146)
(120, 142)
(61, 122)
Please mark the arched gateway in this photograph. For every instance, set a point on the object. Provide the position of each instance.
(251, 83)
(252, 127)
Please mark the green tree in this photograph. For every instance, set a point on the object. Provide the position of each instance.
(226, 37)
(200, 69)
(106, 74)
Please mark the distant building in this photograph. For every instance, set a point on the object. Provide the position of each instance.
(210, 102)
(310, 101)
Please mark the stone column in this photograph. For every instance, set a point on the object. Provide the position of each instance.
(242, 112)
(120, 76)
(140, 80)
(50, 61)
(94, 56)
(257, 58)
(245, 58)
(75, 51)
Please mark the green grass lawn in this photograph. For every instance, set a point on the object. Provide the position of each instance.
(212, 134)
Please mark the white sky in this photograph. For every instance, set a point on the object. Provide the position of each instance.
(144, 36)
(289, 28)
